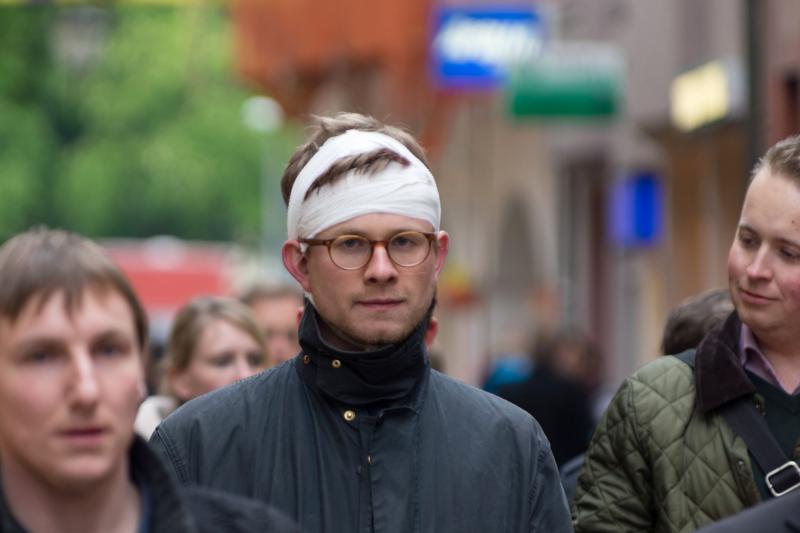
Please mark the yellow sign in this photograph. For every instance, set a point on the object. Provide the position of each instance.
(701, 96)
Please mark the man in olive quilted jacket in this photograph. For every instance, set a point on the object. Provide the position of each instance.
(663, 458)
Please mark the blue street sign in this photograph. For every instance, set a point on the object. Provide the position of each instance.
(636, 210)
(475, 47)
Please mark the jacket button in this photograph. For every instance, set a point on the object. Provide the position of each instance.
(349, 415)
(306, 359)
(336, 363)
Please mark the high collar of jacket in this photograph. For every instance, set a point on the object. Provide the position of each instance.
(168, 512)
(387, 374)
(719, 376)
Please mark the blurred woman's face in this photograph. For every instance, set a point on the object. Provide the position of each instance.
(224, 353)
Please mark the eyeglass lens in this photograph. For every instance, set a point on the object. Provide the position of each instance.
(408, 248)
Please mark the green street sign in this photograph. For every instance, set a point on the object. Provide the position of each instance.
(572, 81)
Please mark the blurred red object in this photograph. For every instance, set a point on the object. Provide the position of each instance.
(166, 273)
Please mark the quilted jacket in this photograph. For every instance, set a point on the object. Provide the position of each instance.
(662, 459)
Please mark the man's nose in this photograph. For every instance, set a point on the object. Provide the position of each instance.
(85, 387)
(380, 267)
(759, 267)
(243, 369)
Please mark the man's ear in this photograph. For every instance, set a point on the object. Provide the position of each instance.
(295, 262)
(443, 242)
(430, 333)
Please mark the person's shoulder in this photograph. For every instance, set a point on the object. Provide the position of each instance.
(236, 402)
(215, 511)
(666, 374)
(460, 396)
(664, 382)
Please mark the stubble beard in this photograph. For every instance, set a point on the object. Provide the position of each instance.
(356, 336)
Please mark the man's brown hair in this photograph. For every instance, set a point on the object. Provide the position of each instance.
(266, 291)
(693, 318)
(40, 262)
(782, 158)
(327, 127)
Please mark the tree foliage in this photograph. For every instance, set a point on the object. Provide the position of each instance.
(125, 121)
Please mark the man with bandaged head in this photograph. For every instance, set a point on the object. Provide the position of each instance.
(357, 433)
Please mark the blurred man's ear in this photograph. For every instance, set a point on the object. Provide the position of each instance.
(430, 334)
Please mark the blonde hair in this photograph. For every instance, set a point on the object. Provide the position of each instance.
(191, 321)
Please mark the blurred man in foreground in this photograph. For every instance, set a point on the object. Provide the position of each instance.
(357, 433)
(681, 444)
(72, 343)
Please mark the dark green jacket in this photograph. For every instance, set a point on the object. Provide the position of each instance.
(662, 458)
(308, 437)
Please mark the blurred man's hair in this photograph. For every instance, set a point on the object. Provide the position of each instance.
(689, 322)
(41, 262)
(267, 291)
(783, 158)
(327, 127)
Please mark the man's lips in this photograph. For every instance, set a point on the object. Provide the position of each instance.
(380, 303)
(84, 435)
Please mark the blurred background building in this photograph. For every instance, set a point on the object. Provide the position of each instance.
(591, 155)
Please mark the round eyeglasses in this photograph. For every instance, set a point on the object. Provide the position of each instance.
(351, 252)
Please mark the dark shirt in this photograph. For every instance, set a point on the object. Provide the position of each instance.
(560, 406)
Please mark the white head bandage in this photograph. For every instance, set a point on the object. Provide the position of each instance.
(400, 190)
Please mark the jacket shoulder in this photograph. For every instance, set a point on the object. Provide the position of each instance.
(241, 398)
(651, 407)
(666, 380)
(482, 413)
(469, 400)
(190, 435)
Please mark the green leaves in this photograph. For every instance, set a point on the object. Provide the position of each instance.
(140, 135)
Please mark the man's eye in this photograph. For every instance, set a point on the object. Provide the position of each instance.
(790, 254)
(40, 356)
(221, 362)
(351, 243)
(747, 240)
(109, 349)
(255, 359)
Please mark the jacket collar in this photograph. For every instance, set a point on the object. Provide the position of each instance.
(168, 511)
(382, 377)
(719, 376)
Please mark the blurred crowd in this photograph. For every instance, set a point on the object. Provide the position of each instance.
(323, 406)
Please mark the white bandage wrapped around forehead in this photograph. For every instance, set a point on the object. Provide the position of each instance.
(401, 190)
